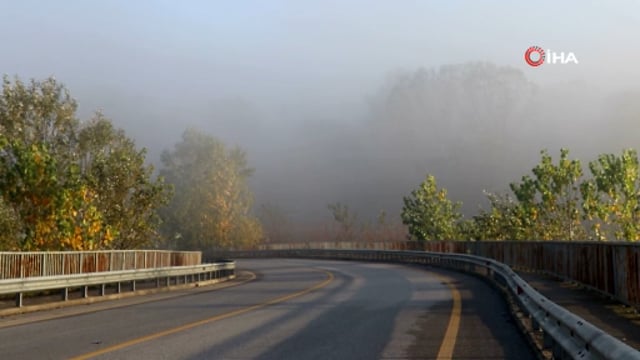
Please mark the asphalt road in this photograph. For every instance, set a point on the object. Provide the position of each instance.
(293, 309)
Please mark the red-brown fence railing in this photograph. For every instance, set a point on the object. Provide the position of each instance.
(612, 268)
(30, 264)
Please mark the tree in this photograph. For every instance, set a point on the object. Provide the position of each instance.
(382, 228)
(549, 202)
(472, 112)
(552, 204)
(127, 193)
(212, 201)
(53, 214)
(68, 185)
(611, 197)
(10, 227)
(429, 214)
(346, 219)
(41, 112)
(505, 220)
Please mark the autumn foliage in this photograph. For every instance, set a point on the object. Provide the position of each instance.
(69, 185)
(211, 207)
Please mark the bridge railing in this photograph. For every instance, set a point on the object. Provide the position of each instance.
(163, 276)
(19, 265)
(565, 334)
(607, 267)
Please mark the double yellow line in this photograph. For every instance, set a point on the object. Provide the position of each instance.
(223, 316)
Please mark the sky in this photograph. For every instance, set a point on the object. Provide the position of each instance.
(290, 51)
(286, 79)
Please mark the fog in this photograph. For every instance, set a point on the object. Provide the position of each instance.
(351, 103)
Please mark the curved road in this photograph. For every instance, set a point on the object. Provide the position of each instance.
(286, 309)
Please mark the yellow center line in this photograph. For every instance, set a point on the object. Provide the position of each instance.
(450, 335)
(133, 299)
(205, 321)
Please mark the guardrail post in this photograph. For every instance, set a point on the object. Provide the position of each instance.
(547, 340)
(534, 323)
(16, 288)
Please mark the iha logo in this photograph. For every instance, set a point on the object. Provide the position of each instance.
(536, 56)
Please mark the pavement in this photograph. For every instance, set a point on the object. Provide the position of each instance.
(292, 309)
(610, 315)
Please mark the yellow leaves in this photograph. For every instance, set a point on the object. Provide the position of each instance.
(212, 198)
(95, 227)
(37, 158)
(44, 230)
(86, 194)
(108, 235)
(74, 240)
(61, 196)
(74, 223)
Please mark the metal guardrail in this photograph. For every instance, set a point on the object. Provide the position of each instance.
(15, 265)
(164, 276)
(567, 335)
(612, 268)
